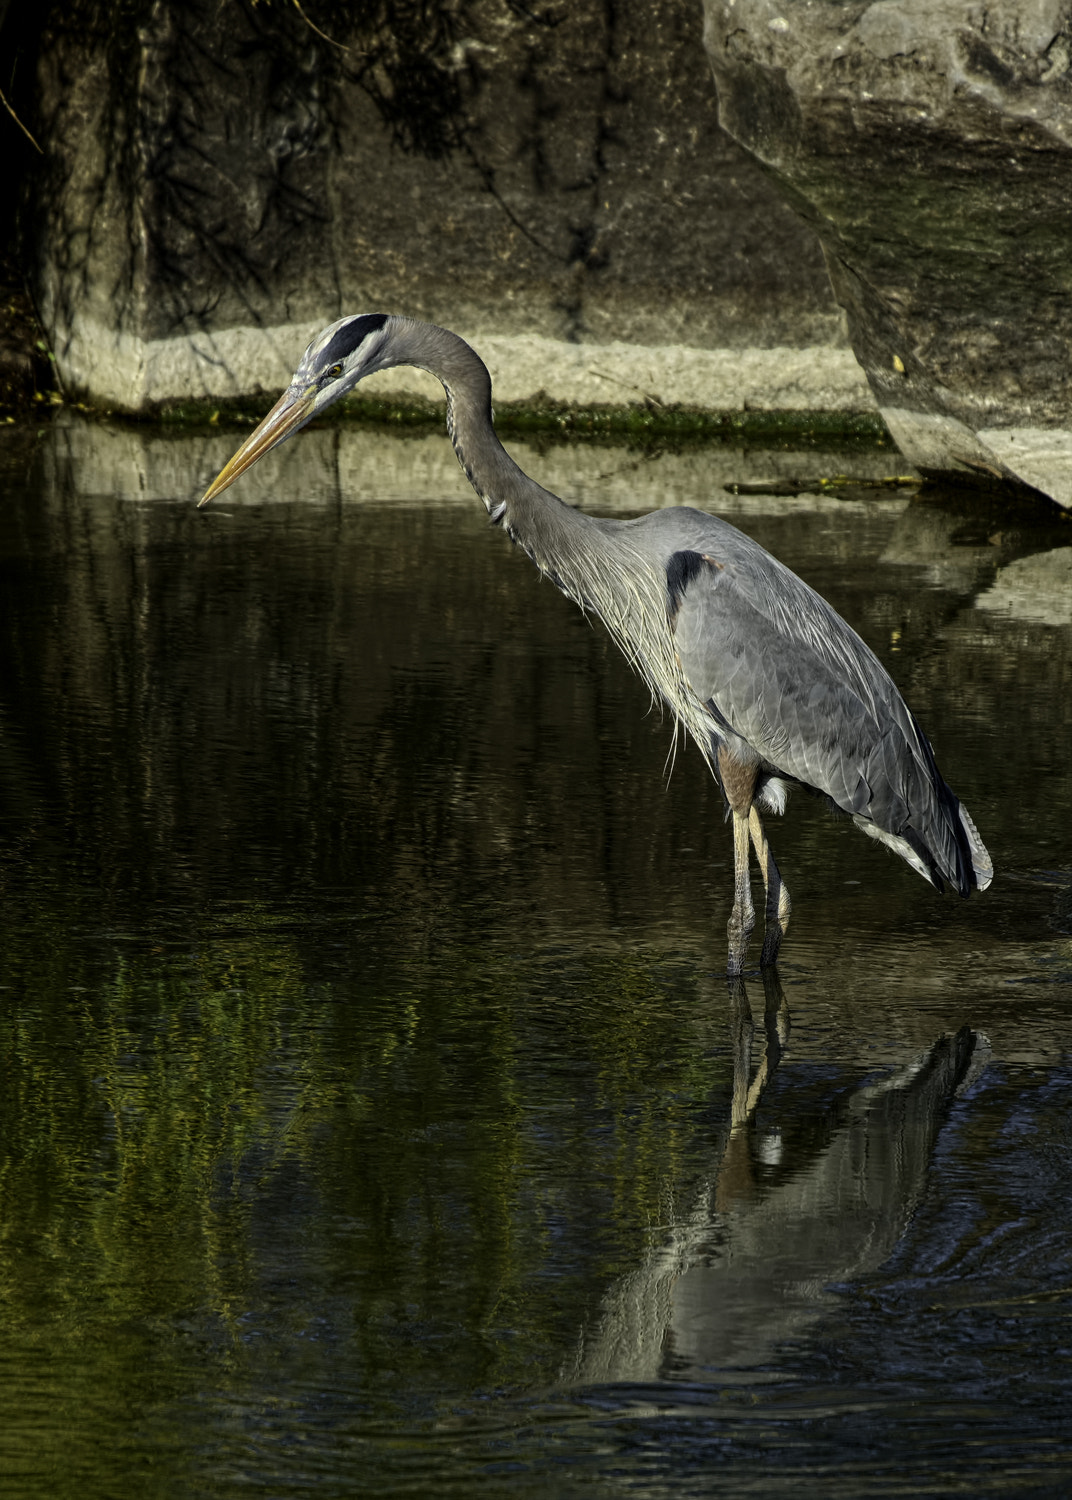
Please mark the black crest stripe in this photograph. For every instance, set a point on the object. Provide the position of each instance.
(353, 332)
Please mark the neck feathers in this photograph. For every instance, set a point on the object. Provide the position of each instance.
(465, 379)
(509, 495)
(591, 561)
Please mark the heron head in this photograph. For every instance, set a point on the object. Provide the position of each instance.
(341, 355)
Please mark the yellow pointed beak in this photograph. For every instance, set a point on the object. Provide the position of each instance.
(286, 415)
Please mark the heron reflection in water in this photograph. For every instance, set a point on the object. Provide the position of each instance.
(817, 1193)
(770, 682)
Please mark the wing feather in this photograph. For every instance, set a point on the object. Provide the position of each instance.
(799, 687)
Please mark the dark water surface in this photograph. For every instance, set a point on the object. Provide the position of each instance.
(373, 1116)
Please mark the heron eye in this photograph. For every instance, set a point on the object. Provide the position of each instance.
(333, 373)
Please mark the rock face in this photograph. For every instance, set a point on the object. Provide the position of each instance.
(226, 178)
(220, 180)
(928, 143)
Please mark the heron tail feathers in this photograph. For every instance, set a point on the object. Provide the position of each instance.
(982, 864)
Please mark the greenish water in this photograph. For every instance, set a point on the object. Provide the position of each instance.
(374, 1118)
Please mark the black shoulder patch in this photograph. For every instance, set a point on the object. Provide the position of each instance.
(680, 571)
(353, 332)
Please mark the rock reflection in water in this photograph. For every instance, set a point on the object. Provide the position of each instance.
(771, 1229)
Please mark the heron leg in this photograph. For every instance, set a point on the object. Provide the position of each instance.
(746, 1093)
(736, 1179)
(743, 916)
(775, 1018)
(778, 904)
(743, 1031)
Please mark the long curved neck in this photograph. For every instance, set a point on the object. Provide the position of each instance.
(597, 563)
(541, 523)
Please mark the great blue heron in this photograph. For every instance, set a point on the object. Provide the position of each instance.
(774, 687)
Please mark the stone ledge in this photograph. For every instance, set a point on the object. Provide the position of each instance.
(134, 376)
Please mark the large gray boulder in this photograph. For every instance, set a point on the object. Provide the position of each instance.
(928, 143)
